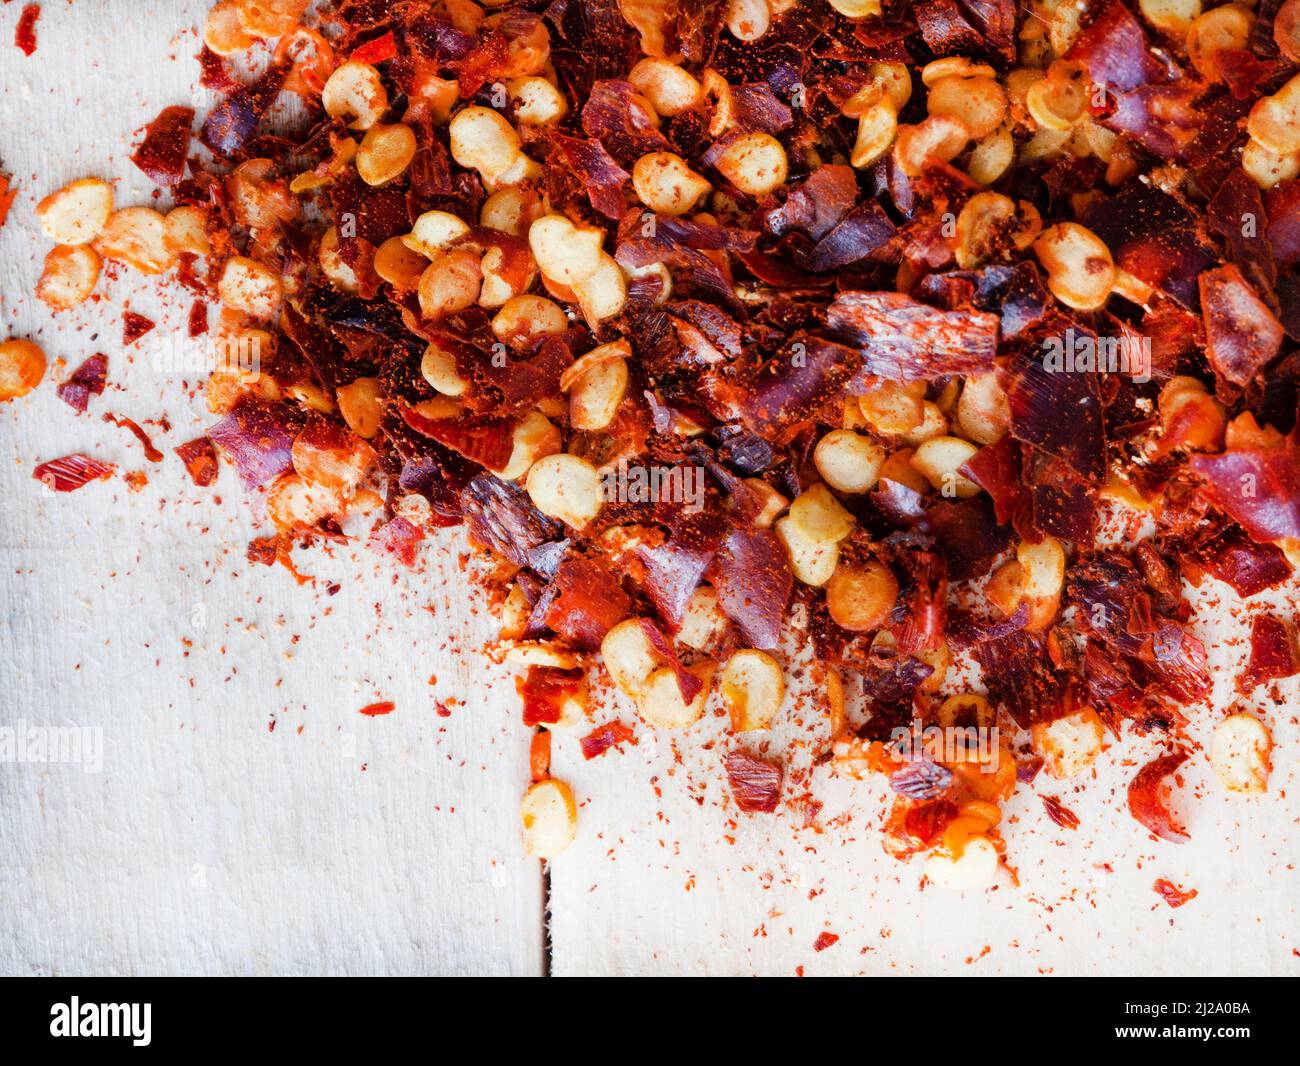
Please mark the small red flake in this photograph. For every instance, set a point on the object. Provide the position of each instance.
(373, 710)
(263, 551)
(397, 537)
(1172, 894)
(377, 50)
(86, 381)
(198, 318)
(150, 452)
(166, 143)
(1059, 813)
(134, 327)
(824, 941)
(7, 194)
(214, 74)
(70, 472)
(604, 737)
(755, 783)
(200, 459)
(548, 693)
(25, 35)
(539, 755)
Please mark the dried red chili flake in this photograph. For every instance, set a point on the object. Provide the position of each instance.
(688, 683)
(150, 452)
(1257, 486)
(377, 50)
(25, 34)
(921, 780)
(257, 437)
(1172, 894)
(1059, 813)
(87, 380)
(200, 459)
(1147, 802)
(7, 194)
(234, 121)
(484, 440)
(752, 576)
(755, 783)
(198, 320)
(166, 145)
(134, 326)
(925, 821)
(588, 602)
(214, 73)
(1273, 653)
(825, 940)
(374, 710)
(1242, 335)
(602, 738)
(550, 694)
(539, 755)
(70, 472)
(398, 537)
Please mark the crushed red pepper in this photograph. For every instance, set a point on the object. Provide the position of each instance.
(908, 294)
(1172, 894)
(25, 33)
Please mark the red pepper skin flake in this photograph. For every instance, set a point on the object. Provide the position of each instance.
(134, 327)
(1059, 813)
(1172, 894)
(539, 755)
(70, 472)
(25, 34)
(150, 452)
(7, 194)
(397, 537)
(373, 710)
(378, 50)
(755, 783)
(548, 692)
(86, 381)
(1273, 653)
(604, 737)
(166, 144)
(198, 322)
(200, 459)
(1146, 803)
(825, 940)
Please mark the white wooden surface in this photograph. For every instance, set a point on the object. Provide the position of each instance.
(212, 843)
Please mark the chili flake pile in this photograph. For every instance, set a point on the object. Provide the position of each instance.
(700, 314)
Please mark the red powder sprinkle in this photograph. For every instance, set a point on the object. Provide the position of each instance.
(374, 709)
(25, 35)
(1172, 894)
(824, 941)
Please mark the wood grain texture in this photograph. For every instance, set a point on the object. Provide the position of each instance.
(247, 819)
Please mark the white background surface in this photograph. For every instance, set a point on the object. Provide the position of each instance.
(334, 843)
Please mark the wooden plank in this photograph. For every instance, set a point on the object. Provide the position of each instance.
(247, 819)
